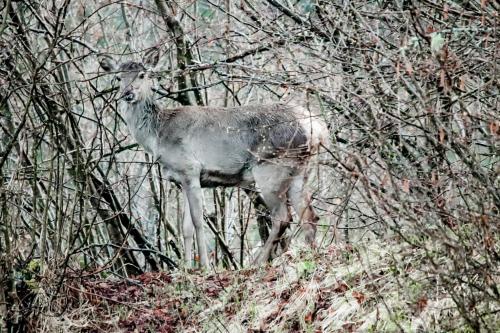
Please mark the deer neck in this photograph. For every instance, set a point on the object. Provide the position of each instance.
(142, 121)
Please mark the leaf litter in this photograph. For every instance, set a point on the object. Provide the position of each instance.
(336, 289)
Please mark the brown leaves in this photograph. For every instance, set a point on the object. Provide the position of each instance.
(341, 287)
(161, 320)
(408, 68)
(446, 8)
(444, 81)
(359, 296)
(159, 277)
(442, 135)
(430, 29)
(421, 303)
(405, 186)
(216, 283)
(461, 84)
(494, 127)
(440, 202)
(158, 314)
(489, 242)
(271, 275)
(153, 301)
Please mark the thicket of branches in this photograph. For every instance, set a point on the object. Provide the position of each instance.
(409, 90)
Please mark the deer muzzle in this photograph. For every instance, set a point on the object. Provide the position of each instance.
(128, 96)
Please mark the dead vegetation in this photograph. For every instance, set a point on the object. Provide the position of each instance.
(370, 287)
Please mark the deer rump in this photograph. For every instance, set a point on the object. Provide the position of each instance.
(226, 143)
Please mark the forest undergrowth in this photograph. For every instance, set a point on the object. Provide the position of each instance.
(407, 188)
(373, 287)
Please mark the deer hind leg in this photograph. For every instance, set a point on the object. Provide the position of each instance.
(283, 239)
(273, 180)
(301, 202)
(264, 222)
(187, 233)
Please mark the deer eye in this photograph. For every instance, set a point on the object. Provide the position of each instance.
(141, 76)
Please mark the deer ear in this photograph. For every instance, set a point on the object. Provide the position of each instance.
(151, 57)
(107, 63)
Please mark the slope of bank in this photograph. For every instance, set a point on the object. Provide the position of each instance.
(375, 287)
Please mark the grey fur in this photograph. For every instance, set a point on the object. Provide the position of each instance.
(268, 145)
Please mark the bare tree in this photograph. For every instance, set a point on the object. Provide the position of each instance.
(409, 91)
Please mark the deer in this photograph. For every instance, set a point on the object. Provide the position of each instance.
(264, 146)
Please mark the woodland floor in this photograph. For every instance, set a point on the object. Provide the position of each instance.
(369, 288)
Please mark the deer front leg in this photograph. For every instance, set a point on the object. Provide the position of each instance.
(187, 233)
(194, 196)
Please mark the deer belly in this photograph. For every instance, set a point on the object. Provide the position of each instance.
(214, 178)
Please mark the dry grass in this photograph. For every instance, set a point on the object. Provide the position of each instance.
(375, 287)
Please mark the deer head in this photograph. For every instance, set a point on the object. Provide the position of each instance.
(136, 79)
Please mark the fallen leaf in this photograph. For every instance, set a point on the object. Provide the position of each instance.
(406, 185)
(461, 84)
(270, 275)
(409, 68)
(422, 303)
(430, 29)
(360, 297)
(341, 287)
(494, 128)
(442, 135)
(489, 242)
(385, 180)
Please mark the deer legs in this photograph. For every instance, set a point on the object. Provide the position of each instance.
(273, 180)
(187, 232)
(194, 201)
(278, 185)
(280, 219)
(301, 202)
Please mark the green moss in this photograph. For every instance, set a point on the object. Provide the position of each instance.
(306, 268)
